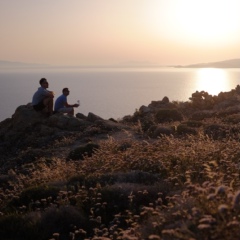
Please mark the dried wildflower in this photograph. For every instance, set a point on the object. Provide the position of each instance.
(206, 183)
(159, 201)
(204, 226)
(211, 196)
(223, 208)
(207, 219)
(154, 237)
(56, 236)
(233, 223)
(145, 192)
(168, 231)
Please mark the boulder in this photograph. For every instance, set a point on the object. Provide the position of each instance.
(164, 103)
(92, 117)
(165, 100)
(81, 116)
(26, 117)
(66, 122)
(59, 120)
(74, 123)
(109, 125)
(144, 110)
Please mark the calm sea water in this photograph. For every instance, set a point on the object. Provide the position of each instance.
(113, 92)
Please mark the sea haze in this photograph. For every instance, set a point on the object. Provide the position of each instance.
(113, 92)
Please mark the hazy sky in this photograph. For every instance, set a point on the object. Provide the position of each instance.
(80, 32)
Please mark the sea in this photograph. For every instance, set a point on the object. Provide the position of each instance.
(112, 92)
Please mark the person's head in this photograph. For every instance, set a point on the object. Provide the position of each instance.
(65, 91)
(43, 82)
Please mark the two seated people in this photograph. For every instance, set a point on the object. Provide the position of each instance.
(42, 100)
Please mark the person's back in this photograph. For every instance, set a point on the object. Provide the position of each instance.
(39, 95)
(60, 102)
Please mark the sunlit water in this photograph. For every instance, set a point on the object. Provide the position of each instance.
(113, 92)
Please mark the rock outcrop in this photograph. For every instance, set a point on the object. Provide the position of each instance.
(29, 133)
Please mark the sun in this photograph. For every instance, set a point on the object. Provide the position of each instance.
(207, 20)
(197, 21)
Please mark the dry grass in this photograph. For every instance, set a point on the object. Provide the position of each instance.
(169, 188)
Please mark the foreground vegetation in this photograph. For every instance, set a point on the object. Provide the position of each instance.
(169, 171)
(169, 188)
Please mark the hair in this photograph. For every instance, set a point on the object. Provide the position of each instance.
(65, 90)
(42, 80)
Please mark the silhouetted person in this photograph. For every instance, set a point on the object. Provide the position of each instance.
(42, 100)
(61, 104)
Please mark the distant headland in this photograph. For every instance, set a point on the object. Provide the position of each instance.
(232, 63)
(9, 64)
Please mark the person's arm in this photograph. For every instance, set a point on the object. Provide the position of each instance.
(69, 105)
(50, 94)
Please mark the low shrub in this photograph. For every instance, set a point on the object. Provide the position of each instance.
(168, 115)
(31, 197)
(85, 150)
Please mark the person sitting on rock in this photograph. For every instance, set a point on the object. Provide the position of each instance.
(61, 104)
(42, 100)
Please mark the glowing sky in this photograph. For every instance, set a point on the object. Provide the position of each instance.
(80, 32)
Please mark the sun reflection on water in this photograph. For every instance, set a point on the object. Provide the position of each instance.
(212, 80)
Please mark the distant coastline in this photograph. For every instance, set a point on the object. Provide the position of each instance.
(232, 63)
(8, 64)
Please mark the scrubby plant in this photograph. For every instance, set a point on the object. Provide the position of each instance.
(167, 188)
(184, 129)
(168, 115)
(79, 152)
(34, 197)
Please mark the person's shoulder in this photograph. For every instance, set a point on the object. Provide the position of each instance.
(61, 97)
(41, 89)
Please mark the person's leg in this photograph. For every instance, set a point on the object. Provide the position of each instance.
(48, 102)
(71, 113)
(68, 110)
(39, 107)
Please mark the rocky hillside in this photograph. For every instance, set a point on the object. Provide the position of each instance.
(27, 133)
(168, 171)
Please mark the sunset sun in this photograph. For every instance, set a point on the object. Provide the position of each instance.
(208, 20)
(200, 22)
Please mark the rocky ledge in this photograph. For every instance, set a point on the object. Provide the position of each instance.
(28, 135)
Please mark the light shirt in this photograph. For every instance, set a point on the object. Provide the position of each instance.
(39, 95)
(60, 102)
